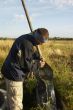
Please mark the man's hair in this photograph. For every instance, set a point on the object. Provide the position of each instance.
(43, 32)
(41, 35)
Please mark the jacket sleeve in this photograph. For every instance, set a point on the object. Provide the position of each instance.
(28, 59)
(31, 58)
(30, 63)
(36, 56)
(36, 60)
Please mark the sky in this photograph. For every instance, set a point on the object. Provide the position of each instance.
(55, 15)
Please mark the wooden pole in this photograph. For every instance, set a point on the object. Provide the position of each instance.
(27, 16)
(29, 23)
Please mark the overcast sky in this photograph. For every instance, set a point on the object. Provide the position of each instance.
(55, 15)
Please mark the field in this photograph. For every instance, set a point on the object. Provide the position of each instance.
(59, 55)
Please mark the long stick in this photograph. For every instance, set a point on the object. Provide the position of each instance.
(30, 26)
(27, 16)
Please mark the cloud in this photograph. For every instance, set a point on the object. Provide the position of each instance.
(62, 3)
(35, 16)
(6, 1)
(43, 1)
(19, 16)
(9, 3)
(58, 3)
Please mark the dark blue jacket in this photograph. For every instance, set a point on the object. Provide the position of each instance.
(21, 59)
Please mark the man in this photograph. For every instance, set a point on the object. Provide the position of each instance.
(20, 61)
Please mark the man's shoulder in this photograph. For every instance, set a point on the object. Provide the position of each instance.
(24, 36)
(24, 39)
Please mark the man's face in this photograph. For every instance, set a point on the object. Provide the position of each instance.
(40, 39)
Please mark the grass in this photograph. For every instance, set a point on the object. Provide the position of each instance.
(59, 55)
(4, 49)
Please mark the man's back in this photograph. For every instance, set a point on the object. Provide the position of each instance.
(17, 62)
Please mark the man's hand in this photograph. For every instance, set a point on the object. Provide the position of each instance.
(42, 63)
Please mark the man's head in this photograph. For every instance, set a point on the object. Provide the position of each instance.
(41, 35)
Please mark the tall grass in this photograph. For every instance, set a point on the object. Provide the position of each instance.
(59, 55)
(4, 48)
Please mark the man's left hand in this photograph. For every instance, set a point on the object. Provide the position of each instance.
(42, 63)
